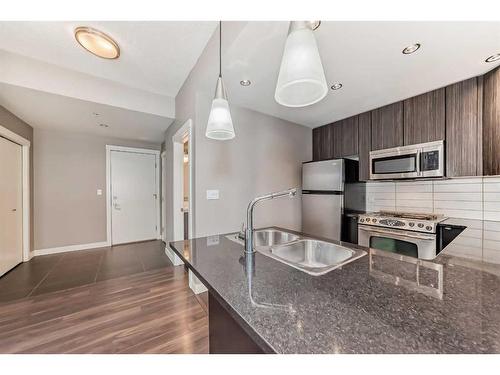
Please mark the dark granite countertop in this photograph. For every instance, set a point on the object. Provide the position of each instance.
(381, 303)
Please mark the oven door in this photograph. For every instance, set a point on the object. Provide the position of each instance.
(394, 164)
(417, 245)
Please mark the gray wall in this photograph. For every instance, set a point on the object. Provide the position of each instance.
(69, 168)
(18, 126)
(266, 155)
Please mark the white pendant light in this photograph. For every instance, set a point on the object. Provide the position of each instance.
(220, 124)
(301, 80)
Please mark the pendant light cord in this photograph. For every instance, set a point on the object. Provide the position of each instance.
(220, 48)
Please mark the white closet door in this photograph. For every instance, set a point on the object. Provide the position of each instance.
(133, 197)
(11, 221)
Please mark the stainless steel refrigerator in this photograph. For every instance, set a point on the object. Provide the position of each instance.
(330, 190)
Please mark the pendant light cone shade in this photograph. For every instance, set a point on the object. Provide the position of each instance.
(220, 124)
(301, 80)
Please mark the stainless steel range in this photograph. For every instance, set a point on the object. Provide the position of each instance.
(411, 234)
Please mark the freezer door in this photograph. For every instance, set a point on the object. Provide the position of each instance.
(323, 175)
(322, 215)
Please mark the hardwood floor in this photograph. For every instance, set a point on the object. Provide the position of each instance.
(49, 273)
(151, 311)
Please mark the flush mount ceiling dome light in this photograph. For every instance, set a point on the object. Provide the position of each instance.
(493, 58)
(301, 80)
(410, 49)
(220, 125)
(97, 43)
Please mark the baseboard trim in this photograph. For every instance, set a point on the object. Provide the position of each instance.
(63, 249)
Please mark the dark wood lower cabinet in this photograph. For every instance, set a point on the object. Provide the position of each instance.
(225, 335)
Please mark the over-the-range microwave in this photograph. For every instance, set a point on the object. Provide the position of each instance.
(413, 161)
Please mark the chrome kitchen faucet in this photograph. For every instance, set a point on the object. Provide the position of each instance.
(249, 248)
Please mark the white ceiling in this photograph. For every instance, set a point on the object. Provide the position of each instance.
(365, 57)
(50, 111)
(155, 56)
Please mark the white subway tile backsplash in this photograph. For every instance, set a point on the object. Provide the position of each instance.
(492, 236)
(457, 196)
(491, 206)
(414, 187)
(425, 205)
(491, 197)
(491, 215)
(475, 215)
(414, 196)
(492, 226)
(463, 205)
(463, 180)
(491, 256)
(490, 187)
(458, 188)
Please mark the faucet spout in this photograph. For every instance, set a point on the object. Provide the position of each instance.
(249, 247)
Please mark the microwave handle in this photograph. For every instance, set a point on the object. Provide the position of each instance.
(418, 162)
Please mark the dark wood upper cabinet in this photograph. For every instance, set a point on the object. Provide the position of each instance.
(316, 138)
(336, 129)
(387, 126)
(322, 143)
(349, 136)
(464, 128)
(364, 144)
(491, 123)
(424, 117)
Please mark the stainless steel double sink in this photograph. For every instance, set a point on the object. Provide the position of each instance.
(309, 255)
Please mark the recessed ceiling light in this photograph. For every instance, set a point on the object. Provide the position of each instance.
(336, 86)
(493, 58)
(411, 49)
(245, 82)
(104, 125)
(97, 43)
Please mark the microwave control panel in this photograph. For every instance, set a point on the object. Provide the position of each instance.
(429, 160)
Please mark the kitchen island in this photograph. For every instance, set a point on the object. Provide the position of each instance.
(380, 303)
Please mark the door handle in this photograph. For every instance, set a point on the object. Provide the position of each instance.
(14, 210)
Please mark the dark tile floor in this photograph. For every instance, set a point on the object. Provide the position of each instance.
(49, 273)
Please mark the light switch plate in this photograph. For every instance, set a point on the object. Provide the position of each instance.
(212, 194)
(99, 191)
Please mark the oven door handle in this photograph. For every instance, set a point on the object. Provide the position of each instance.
(396, 234)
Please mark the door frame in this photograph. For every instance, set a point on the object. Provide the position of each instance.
(26, 191)
(163, 205)
(178, 156)
(156, 153)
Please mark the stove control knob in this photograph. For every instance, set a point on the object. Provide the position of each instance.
(367, 219)
(411, 224)
(362, 220)
(374, 220)
(420, 225)
(428, 227)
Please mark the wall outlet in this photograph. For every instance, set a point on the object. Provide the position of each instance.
(99, 191)
(212, 194)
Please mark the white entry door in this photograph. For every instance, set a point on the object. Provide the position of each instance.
(11, 221)
(134, 197)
